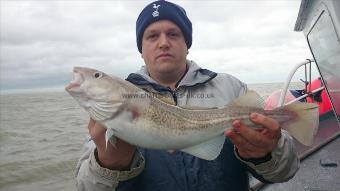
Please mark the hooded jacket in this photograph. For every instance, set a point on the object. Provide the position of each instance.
(153, 170)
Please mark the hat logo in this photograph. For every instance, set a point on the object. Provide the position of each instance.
(155, 13)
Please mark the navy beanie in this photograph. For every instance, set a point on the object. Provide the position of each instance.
(163, 10)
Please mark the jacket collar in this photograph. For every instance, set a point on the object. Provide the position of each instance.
(194, 76)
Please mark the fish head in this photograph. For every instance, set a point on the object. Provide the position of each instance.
(97, 92)
(93, 85)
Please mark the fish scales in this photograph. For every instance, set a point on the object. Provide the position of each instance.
(166, 119)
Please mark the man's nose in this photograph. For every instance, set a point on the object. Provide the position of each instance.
(163, 41)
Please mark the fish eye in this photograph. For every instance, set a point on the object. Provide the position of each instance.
(98, 74)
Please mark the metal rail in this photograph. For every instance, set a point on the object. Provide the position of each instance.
(288, 80)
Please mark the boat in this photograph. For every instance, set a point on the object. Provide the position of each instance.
(319, 20)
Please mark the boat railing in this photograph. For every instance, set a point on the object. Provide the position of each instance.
(307, 151)
(289, 79)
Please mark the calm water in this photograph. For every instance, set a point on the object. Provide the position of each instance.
(41, 138)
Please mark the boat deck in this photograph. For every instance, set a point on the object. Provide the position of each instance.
(318, 172)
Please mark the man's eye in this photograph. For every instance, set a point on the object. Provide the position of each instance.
(174, 34)
(152, 36)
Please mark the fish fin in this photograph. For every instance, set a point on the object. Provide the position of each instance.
(208, 150)
(110, 137)
(305, 126)
(103, 110)
(113, 141)
(249, 123)
(94, 115)
(249, 99)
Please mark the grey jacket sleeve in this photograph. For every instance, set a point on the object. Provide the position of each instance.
(91, 176)
(283, 164)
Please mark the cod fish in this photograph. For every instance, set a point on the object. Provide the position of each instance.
(135, 116)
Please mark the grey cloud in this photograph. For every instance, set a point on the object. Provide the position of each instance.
(244, 24)
(42, 40)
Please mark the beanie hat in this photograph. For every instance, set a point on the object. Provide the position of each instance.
(163, 10)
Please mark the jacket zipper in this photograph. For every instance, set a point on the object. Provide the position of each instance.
(174, 95)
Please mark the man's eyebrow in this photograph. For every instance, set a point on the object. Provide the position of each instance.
(151, 31)
(174, 30)
(157, 30)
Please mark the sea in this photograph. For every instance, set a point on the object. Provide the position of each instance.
(42, 135)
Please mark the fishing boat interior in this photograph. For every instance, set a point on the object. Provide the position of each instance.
(319, 20)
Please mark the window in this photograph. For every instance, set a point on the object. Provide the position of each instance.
(325, 46)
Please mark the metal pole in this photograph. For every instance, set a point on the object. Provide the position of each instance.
(289, 78)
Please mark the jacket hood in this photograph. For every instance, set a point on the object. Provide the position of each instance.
(194, 76)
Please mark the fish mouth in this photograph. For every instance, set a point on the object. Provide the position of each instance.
(76, 81)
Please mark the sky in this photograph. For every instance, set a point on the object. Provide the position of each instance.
(41, 41)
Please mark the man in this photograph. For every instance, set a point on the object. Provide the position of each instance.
(164, 35)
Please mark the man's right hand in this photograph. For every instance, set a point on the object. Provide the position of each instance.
(114, 158)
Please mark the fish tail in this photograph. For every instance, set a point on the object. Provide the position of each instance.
(306, 124)
(110, 137)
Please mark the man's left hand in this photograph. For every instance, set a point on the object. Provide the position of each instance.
(252, 143)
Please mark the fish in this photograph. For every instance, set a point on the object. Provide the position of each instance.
(144, 120)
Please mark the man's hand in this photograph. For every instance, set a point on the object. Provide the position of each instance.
(118, 158)
(255, 142)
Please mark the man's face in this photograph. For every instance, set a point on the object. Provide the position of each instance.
(163, 48)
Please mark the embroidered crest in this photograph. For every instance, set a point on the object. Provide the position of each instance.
(155, 13)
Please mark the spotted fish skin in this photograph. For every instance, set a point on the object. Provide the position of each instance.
(142, 119)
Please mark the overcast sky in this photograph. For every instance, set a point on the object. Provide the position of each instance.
(41, 41)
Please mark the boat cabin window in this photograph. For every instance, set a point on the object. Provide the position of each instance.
(324, 43)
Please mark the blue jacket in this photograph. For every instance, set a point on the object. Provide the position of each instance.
(166, 171)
